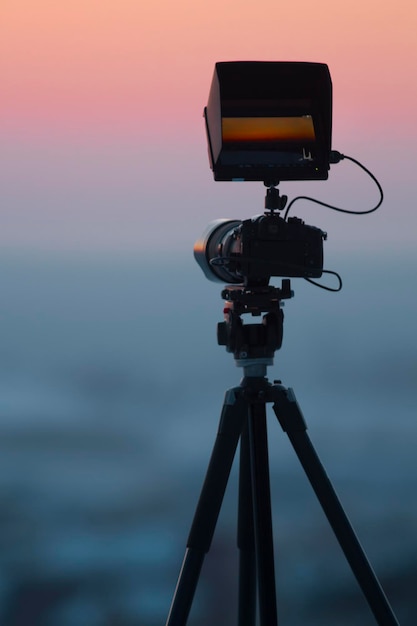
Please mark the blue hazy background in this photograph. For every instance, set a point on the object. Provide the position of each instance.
(111, 381)
(111, 385)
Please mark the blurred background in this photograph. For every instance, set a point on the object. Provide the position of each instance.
(111, 380)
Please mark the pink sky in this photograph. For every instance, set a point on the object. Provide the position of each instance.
(88, 63)
(128, 76)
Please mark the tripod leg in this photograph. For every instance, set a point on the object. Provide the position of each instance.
(246, 538)
(291, 419)
(261, 495)
(234, 414)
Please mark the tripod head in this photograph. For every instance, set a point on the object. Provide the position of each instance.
(253, 343)
(273, 200)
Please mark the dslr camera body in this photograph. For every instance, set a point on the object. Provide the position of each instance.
(249, 252)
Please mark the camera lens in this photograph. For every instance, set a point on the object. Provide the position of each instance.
(214, 248)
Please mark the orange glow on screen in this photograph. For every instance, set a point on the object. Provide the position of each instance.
(267, 129)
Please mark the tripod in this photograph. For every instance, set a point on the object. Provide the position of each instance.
(243, 418)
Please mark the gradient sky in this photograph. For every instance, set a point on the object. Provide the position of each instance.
(103, 143)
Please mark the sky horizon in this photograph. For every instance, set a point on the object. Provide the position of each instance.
(103, 141)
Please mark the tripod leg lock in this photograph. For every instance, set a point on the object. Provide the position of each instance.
(287, 410)
(233, 412)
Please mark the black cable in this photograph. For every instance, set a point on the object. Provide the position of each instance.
(335, 289)
(335, 158)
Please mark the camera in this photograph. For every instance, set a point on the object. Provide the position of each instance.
(249, 252)
(266, 121)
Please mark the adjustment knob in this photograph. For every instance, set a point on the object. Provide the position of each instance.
(222, 334)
